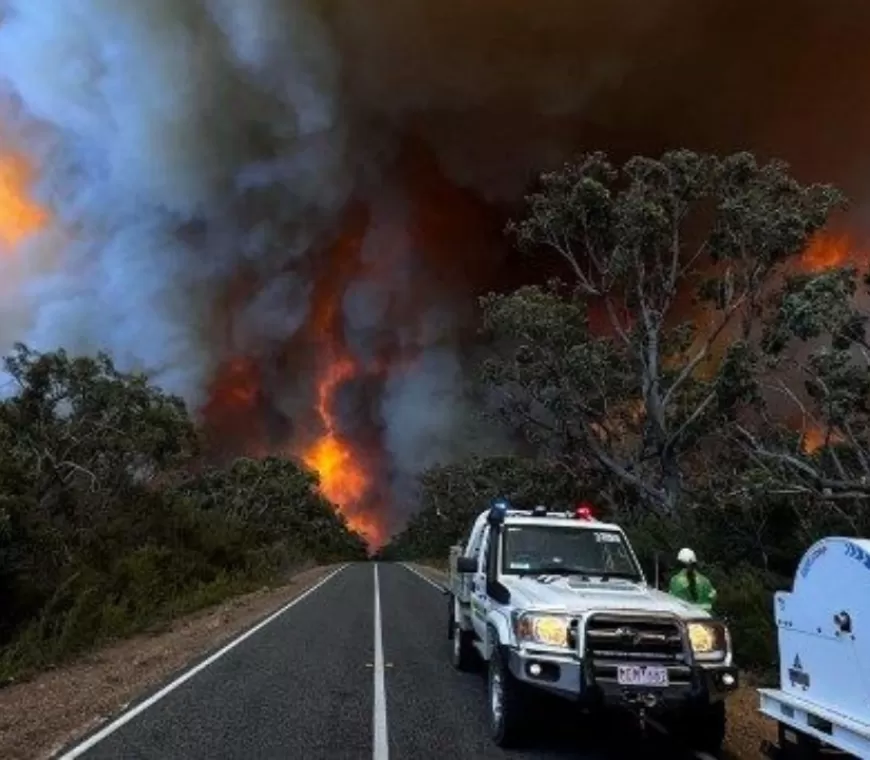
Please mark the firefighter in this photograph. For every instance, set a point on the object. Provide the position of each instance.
(690, 585)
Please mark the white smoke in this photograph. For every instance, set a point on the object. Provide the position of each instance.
(163, 125)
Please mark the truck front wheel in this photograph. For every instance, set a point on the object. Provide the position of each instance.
(506, 697)
(462, 649)
(704, 727)
(462, 653)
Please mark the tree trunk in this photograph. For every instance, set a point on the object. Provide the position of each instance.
(672, 483)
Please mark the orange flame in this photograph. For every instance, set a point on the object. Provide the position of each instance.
(826, 251)
(342, 479)
(19, 215)
(814, 438)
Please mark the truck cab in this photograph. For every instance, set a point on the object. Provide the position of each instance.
(557, 601)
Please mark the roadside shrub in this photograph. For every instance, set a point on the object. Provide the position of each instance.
(745, 600)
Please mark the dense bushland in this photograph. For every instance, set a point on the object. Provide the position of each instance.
(110, 522)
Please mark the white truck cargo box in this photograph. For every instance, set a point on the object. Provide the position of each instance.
(823, 628)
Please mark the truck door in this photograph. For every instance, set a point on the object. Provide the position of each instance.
(480, 601)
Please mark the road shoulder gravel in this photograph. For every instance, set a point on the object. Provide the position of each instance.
(40, 716)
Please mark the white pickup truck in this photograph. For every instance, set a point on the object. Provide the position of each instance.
(557, 601)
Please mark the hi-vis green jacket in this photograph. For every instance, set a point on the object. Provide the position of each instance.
(706, 592)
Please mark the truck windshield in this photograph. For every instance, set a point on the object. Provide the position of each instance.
(552, 550)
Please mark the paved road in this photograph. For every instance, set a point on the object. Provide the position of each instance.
(355, 668)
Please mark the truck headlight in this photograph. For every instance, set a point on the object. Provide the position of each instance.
(709, 640)
(542, 628)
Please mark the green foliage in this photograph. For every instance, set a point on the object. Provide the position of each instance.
(639, 398)
(817, 347)
(745, 600)
(272, 497)
(109, 522)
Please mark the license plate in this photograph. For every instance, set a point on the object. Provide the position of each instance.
(641, 675)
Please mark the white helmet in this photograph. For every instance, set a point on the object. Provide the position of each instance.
(687, 557)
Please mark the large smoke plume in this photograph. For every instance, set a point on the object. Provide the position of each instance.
(201, 160)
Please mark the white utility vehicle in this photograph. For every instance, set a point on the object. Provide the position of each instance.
(823, 624)
(557, 601)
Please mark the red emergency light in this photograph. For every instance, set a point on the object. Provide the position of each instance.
(584, 511)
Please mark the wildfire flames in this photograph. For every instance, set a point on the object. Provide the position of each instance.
(439, 222)
(345, 465)
(342, 479)
(236, 407)
(827, 251)
(225, 255)
(19, 216)
(814, 438)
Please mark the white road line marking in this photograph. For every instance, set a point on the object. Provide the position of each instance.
(121, 720)
(423, 577)
(381, 748)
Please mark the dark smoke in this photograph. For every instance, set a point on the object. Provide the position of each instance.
(198, 157)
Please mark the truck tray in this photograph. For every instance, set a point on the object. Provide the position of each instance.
(832, 728)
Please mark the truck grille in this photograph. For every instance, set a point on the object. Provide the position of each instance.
(634, 639)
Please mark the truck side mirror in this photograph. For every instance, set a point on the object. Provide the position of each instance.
(466, 565)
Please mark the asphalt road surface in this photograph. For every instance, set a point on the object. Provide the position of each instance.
(357, 667)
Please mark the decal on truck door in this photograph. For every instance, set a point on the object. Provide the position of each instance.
(608, 537)
(797, 675)
(811, 560)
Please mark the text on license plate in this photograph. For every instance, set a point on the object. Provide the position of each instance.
(641, 675)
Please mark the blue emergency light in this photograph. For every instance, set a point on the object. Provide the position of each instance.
(498, 510)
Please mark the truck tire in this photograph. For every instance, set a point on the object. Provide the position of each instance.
(462, 653)
(506, 697)
(704, 728)
(451, 617)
